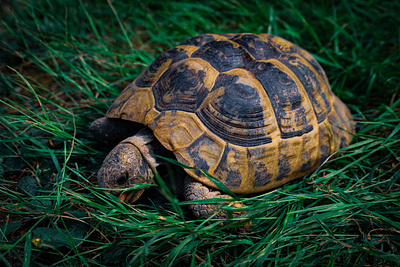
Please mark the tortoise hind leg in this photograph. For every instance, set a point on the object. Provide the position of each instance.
(194, 190)
(111, 131)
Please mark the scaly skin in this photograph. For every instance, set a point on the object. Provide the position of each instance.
(124, 167)
(194, 190)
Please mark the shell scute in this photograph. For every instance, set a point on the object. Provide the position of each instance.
(326, 146)
(342, 126)
(184, 86)
(288, 152)
(176, 129)
(133, 104)
(202, 39)
(204, 153)
(283, 45)
(259, 48)
(232, 168)
(291, 108)
(317, 91)
(150, 75)
(263, 162)
(239, 111)
(223, 55)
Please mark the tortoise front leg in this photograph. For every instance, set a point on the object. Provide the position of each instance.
(194, 190)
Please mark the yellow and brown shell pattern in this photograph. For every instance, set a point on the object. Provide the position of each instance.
(254, 111)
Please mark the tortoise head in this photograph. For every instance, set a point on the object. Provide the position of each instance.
(124, 167)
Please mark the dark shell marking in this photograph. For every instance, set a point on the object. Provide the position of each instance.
(223, 55)
(255, 111)
(236, 114)
(257, 47)
(153, 71)
(181, 87)
(288, 101)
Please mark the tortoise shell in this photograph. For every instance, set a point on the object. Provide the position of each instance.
(254, 111)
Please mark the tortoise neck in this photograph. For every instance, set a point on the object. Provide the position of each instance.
(147, 144)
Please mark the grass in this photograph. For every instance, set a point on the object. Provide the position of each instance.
(63, 63)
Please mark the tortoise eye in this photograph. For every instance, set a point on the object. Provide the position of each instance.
(123, 179)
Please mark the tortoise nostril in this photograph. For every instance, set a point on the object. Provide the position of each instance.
(123, 179)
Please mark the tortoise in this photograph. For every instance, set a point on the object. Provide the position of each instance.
(254, 111)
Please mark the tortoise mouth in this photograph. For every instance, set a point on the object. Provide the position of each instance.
(123, 196)
(131, 196)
